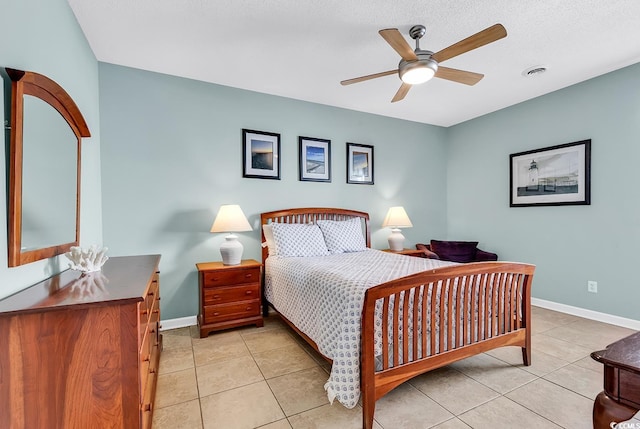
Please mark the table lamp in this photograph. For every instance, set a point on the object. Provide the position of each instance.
(396, 218)
(231, 219)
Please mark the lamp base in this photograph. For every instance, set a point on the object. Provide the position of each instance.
(231, 250)
(396, 240)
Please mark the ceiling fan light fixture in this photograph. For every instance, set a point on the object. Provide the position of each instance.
(418, 72)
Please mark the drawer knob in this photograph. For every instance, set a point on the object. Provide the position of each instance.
(147, 358)
(248, 275)
(156, 311)
(216, 296)
(147, 408)
(248, 308)
(215, 313)
(145, 312)
(150, 293)
(249, 292)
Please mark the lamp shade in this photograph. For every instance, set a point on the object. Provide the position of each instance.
(397, 218)
(230, 218)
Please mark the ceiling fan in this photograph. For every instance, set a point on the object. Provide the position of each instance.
(418, 66)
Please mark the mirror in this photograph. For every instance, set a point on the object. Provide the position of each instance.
(44, 168)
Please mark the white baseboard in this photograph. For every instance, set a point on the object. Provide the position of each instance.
(587, 314)
(180, 322)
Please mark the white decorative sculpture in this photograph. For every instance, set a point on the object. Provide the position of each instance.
(87, 260)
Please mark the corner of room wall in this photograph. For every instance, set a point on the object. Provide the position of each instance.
(51, 42)
(569, 244)
(183, 148)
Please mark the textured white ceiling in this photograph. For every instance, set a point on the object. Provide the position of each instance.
(303, 49)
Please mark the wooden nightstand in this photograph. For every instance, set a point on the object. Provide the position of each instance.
(230, 295)
(408, 252)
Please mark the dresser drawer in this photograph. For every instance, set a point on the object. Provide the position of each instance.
(231, 277)
(145, 362)
(220, 313)
(630, 387)
(149, 301)
(225, 295)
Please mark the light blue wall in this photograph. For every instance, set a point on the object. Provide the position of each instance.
(43, 36)
(172, 154)
(569, 244)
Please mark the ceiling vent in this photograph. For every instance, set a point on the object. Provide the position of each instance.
(534, 71)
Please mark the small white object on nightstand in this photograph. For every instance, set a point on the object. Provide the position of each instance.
(396, 218)
(231, 219)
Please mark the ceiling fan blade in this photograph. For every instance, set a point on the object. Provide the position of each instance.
(397, 42)
(484, 37)
(367, 77)
(402, 92)
(460, 76)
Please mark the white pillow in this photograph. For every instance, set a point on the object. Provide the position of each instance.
(267, 229)
(343, 236)
(298, 239)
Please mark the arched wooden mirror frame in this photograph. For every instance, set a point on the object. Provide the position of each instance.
(39, 86)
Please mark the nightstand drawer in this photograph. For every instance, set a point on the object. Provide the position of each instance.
(231, 294)
(219, 313)
(231, 277)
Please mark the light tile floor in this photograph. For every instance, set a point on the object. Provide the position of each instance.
(269, 378)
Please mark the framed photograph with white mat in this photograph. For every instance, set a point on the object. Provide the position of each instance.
(260, 154)
(552, 176)
(359, 164)
(315, 159)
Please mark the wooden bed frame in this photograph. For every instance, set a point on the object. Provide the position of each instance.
(491, 308)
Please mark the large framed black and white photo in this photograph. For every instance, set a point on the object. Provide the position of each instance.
(260, 154)
(315, 159)
(359, 164)
(551, 176)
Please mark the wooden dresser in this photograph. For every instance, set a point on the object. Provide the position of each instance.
(82, 351)
(229, 295)
(620, 399)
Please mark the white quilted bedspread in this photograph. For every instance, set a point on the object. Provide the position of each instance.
(323, 297)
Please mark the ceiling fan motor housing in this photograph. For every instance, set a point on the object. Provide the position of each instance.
(420, 70)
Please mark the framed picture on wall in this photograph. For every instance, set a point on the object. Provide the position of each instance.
(260, 154)
(551, 176)
(315, 159)
(359, 164)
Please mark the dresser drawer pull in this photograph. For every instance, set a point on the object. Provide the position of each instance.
(147, 408)
(249, 292)
(144, 312)
(216, 296)
(147, 358)
(152, 371)
(150, 293)
(156, 311)
(248, 276)
(215, 313)
(248, 308)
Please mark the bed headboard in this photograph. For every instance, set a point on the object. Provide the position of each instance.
(310, 215)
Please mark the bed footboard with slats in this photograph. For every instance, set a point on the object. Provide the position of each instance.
(430, 319)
